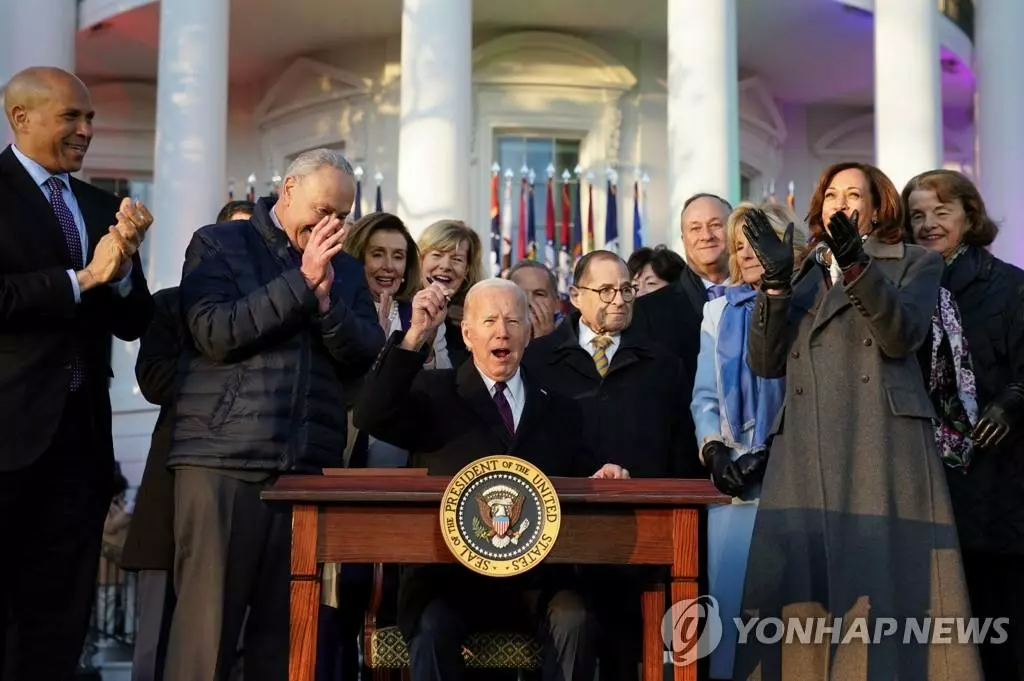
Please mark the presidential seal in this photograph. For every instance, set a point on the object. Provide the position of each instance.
(500, 516)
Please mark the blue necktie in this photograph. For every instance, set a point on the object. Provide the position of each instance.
(74, 243)
(716, 291)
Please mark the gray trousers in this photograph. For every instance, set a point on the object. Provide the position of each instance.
(231, 553)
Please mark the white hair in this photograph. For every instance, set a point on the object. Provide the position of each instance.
(313, 160)
(501, 284)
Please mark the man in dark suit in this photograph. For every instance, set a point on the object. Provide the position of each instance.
(279, 319)
(634, 396)
(149, 547)
(671, 316)
(69, 279)
(449, 418)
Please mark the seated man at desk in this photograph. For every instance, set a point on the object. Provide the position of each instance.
(448, 418)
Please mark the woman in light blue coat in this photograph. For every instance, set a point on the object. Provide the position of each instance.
(734, 412)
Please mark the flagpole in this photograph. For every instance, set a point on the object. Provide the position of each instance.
(357, 204)
(564, 274)
(589, 244)
(495, 222)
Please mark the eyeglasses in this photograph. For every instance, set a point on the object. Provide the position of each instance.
(607, 293)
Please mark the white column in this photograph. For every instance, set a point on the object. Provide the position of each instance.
(703, 104)
(36, 33)
(908, 89)
(191, 131)
(999, 56)
(435, 126)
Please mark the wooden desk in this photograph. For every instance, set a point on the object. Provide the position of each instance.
(389, 518)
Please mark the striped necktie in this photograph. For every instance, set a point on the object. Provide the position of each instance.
(601, 344)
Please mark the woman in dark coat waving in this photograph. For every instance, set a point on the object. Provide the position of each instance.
(855, 519)
(945, 213)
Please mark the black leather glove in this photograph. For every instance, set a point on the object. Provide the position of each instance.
(844, 240)
(1000, 417)
(752, 466)
(724, 471)
(774, 254)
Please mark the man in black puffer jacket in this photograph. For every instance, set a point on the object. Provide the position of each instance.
(279, 318)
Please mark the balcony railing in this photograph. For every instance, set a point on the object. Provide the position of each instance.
(961, 13)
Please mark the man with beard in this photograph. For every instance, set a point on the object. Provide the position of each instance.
(633, 395)
(70, 278)
(279, 318)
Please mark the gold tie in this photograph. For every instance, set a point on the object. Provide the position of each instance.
(601, 343)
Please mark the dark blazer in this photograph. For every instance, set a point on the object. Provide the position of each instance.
(671, 316)
(446, 419)
(41, 326)
(989, 500)
(150, 541)
(638, 415)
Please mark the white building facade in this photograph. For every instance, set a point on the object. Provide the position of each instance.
(736, 97)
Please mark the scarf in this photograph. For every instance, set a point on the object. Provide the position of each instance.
(748, 401)
(951, 385)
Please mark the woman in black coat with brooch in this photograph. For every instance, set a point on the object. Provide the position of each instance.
(945, 213)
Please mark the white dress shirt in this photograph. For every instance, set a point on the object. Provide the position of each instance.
(40, 176)
(587, 334)
(514, 393)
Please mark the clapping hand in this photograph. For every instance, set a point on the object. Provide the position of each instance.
(542, 317)
(844, 240)
(774, 254)
(325, 242)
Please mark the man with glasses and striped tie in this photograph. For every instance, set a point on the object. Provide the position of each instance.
(634, 396)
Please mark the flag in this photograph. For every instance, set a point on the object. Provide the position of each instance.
(524, 196)
(611, 220)
(638, 227)
(357, 205)
(531, 225)
(791, 197)
(549, 225)
(506, 224)
(577, 223)
(564, 269)
(495, 226)
(379, 207)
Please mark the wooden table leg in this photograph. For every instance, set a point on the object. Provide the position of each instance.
(305, 595)
(685, 570)
(653, 607)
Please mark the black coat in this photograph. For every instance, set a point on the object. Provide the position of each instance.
(638, 415)
(671, 316)
(41, 326)
(150, 541)
(263, 387)
(989, 500)
(447, 419)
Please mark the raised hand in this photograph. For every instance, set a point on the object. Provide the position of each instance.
(429, 310)
(384, 312)
(325, 242)
(323, 290)
(542, 317)
(133, 221)
(774, 254)
(844, 240)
